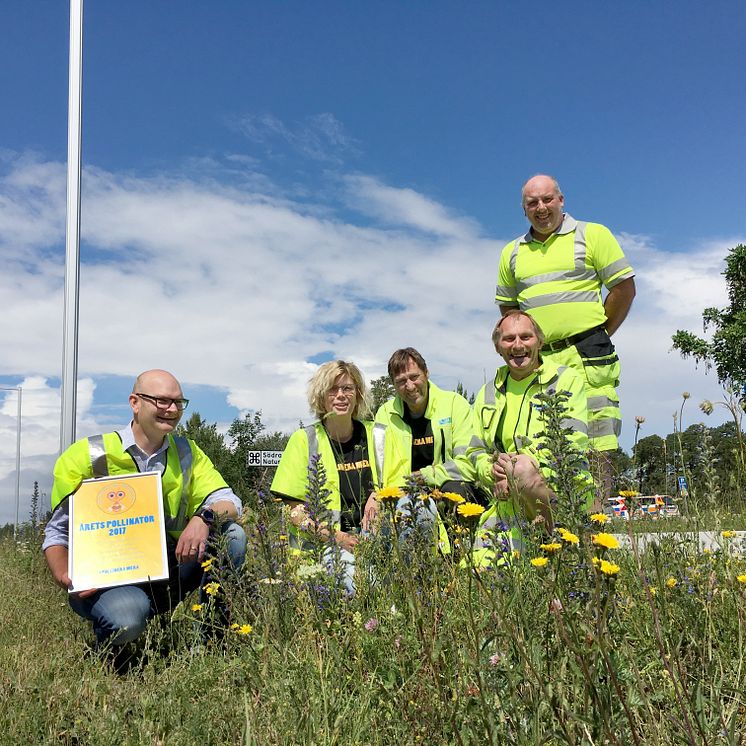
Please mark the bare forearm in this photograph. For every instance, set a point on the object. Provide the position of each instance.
(617, 304)
(56, 557)
(225, 509)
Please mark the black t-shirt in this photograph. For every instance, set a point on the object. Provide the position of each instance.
(423, 450)
(355, 475)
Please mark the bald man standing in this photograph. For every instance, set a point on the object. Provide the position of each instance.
(197, 502)
(555, 272)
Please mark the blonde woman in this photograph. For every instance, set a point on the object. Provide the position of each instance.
(355, 456)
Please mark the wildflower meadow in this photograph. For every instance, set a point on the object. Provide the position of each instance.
(581, 636)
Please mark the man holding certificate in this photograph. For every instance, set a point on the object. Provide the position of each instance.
(196, 506)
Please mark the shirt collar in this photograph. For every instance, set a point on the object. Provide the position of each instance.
(128, 441)
(569, 224)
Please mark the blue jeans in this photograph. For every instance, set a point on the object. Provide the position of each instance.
(119, 615)
(342, 562)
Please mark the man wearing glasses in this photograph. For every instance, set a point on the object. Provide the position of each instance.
(198, 505)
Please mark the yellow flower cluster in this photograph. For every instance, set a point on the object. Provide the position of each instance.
(539, 561)
(741, 578)
(211, 589)
(197, 607)
(600, 518)
(568, 536)
(452, 497)
(608, 568)
(242, 629)
(207, 565)
(470, 510)
(728, 534)
(554, 546)
(671, 583)
(628, 493)
(389, 494)
(608, 541)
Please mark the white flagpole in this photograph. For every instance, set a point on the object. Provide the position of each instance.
(72, 228)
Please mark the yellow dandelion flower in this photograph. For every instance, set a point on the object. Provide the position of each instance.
(389, 494)
(608, 568)
(741, 578)
(234, 626)
(452, 497)
(552, 547)
(628, 493)
(672, 582)
(653, 590)
(728, 534)
(539, 561)
(596, 561)
(207, 564)
(600, 518)
(607, 541)
(197, 607)
(568, 536)
(470, 510)
(244, 629)
(211, 589)
(283, 537)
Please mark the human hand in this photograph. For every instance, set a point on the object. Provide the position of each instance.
(502, 469)
(193, 540)
(346, 541)
(370, 513)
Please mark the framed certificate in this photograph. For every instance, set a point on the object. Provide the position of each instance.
(117, 532)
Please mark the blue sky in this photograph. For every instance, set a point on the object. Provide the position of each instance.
(267, 184)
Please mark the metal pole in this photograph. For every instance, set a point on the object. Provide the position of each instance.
(19, 391)
(72, 228)
(18, 464)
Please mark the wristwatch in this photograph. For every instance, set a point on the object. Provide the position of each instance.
(207, 515)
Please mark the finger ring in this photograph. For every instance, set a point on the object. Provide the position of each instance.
(192, 549)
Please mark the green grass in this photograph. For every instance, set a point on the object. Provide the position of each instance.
(515, 654)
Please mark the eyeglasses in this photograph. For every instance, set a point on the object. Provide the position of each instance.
(347, 390)
(162, 402)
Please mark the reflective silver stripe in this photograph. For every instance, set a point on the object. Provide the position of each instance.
(489, 394)
(599, 402)
(604, 426)
(579, 273)
(184, 451)
(313, 442)
(580, 249)
(569, 296)
(576, 425)
(98, 456)
(610, 270)
(379, 446)
(452, 470)
(459, 451)
(502, 291)
(477, 448)
(514, 255)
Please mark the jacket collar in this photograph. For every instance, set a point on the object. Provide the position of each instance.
(569, 224)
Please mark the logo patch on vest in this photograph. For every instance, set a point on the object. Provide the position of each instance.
(445, 421)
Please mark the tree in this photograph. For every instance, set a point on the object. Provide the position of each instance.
(381, 390)
(460, 389)
(208, 439)
(651, 467)
(727, 350)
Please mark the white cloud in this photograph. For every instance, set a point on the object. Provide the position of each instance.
(406, 207)
(321, 137)
(237, 287)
